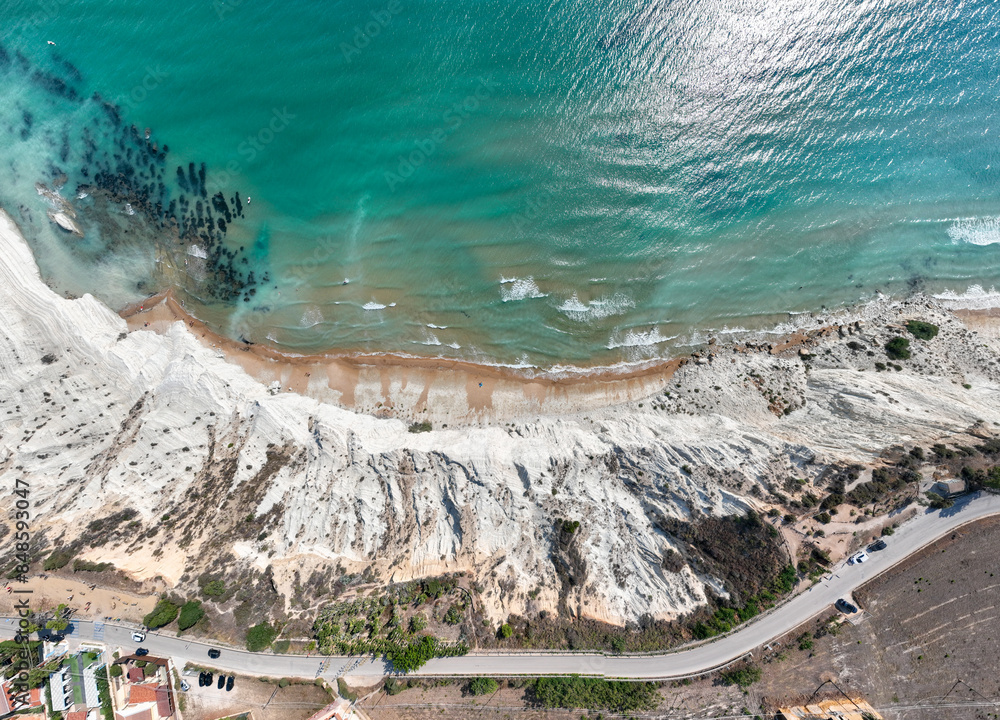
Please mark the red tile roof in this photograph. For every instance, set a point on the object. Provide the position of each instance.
(77, 715)
(139, 694)
(135, 675)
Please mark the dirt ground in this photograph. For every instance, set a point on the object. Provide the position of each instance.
(47, 592)
(701, 698)
(928, 635)
(267, 700)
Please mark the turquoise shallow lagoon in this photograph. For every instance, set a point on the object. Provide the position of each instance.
(543, 184)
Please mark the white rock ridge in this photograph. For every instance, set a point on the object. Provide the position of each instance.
(97, 419)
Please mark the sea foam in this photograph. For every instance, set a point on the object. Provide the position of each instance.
(596, 309)
(519, 289)
(976, 231)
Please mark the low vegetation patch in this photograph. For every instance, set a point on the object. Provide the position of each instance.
(260, 637)
(483, 686)
(420, 427)
(922, 330)
(898, 348)
(744, 676)
(595, 694)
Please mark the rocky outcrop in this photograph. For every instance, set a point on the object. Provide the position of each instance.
(217, 465)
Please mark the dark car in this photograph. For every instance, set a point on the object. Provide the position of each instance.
(139, 652)
(222, 682)
(876, 546)
(230, 682)
(206, 679)
(214, 653)
(845, 607)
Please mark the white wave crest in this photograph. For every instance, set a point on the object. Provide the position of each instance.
(373, 306)
(638, 339)
(519, 289)
(596, 309)
(975, 298)
(976, 231)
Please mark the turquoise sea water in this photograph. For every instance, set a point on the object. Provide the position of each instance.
(569, 183)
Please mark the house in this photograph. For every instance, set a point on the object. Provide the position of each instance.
(142, 691)
(11, 700)
(950, 488)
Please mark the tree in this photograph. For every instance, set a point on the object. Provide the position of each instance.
(260, 637)
(191, 613)
(164, 613)
(116, 671)
(506, 631)
(58, 623)
(413, 656)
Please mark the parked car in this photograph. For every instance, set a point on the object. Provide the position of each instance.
(205, 679)
(876, 546)
(858, 558)
(140, 652)
(845, 607)
(138, 636)
(230, 682)
(214, 653)
(222, 682)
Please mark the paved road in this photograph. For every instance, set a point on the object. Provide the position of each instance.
(908, 539)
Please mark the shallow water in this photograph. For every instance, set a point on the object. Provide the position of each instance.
(561, 184)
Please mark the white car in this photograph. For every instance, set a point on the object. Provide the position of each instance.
(138, 636)
(858, 558)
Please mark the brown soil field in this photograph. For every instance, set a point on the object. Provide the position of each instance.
(925, 645)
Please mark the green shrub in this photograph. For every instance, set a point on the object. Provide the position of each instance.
(116, 671)
(260, 637)
(922, 330)
(420, 427)
(454, 614)
(595, 693)
(898, 348)
(937, 502)
(744, 676)
(506, 631)
(483, 686)
(87, 566)
(58, 559)
(163, 614)
(214, 589)
(191, 613)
